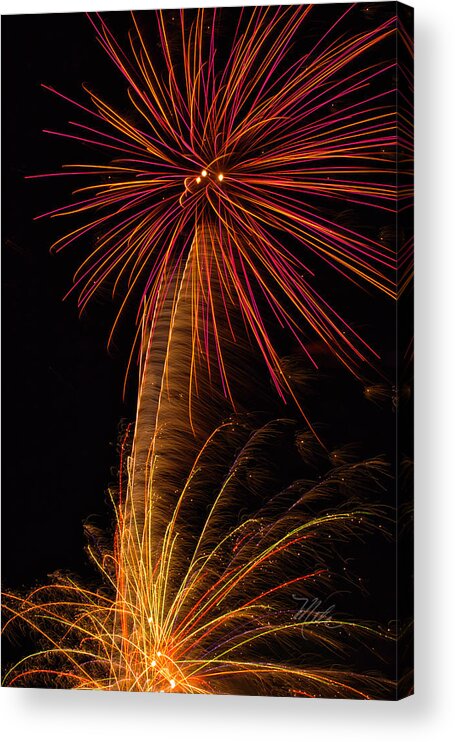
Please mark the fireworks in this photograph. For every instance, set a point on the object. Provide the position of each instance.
(216, 177)
(205, 601)
(208, 210)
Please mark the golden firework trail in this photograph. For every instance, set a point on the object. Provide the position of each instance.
(202, 600)
(215, 549)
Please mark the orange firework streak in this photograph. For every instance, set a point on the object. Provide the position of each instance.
(241, 151)
(196, 599)
(198, 602)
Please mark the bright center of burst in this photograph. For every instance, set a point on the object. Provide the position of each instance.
(205, 174)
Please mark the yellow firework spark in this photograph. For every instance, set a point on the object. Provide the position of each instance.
(203, 600)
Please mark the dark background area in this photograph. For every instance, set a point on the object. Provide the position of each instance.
(62, 390)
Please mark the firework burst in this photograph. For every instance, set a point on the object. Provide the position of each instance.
(218, 172)
(208, 599)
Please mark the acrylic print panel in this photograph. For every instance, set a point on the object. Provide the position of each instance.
(208, 455)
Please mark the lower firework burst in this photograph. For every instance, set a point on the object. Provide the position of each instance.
(234, 597)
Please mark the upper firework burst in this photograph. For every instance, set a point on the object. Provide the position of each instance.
(223, 179)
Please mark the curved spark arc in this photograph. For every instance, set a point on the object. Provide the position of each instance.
(237, 152)
(213, 540)
(194, 610)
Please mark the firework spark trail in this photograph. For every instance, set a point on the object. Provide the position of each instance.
(169, 428)
(237, 150)
(213, 542)
(210, 607)
(405, 174)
